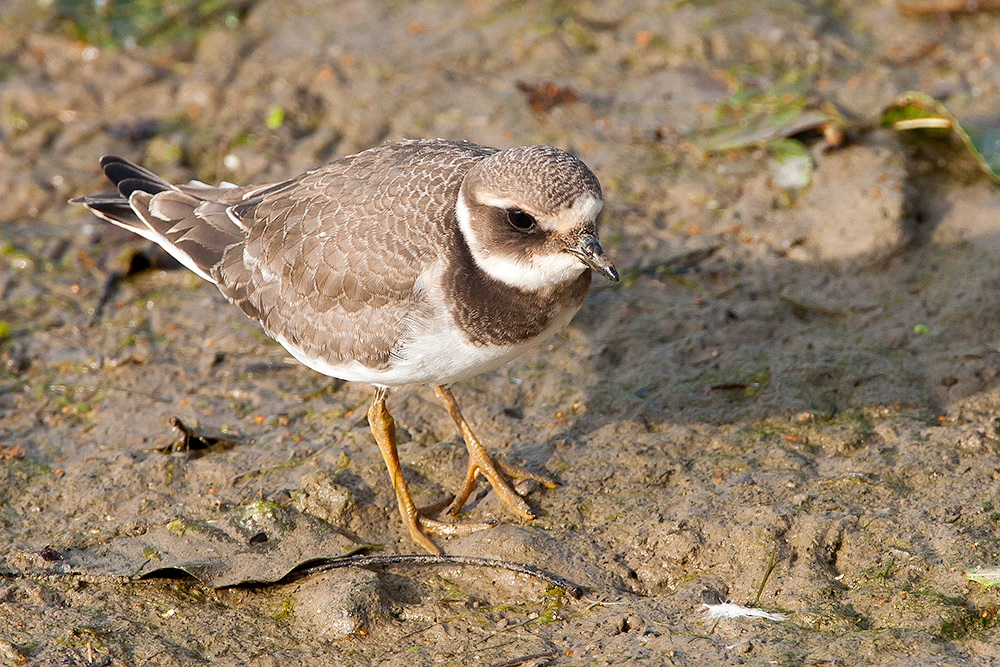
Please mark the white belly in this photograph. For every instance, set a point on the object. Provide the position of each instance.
(439, 354)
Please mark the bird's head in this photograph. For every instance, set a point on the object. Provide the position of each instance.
(529, 217)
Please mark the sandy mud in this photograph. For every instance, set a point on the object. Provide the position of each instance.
(790, 402)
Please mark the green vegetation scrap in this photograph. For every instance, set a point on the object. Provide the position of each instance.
(123, 23)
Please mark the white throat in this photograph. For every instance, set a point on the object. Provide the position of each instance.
(530, 273)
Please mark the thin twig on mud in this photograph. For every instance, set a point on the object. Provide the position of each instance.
(767, 575)
(513, 662)
(427, 559)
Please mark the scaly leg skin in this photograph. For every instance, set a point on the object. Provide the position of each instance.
(384, 429)
(480, 462)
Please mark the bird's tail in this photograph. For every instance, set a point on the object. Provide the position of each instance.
(194, 229)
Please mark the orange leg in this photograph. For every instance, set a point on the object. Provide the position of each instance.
(384, 429)
(480, 463)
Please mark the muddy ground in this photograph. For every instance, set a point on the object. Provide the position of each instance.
(789, 402)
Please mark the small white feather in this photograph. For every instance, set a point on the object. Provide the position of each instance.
(730, 610)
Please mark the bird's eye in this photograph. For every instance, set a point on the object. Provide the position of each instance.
(520, 220)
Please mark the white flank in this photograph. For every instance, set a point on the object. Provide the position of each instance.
(730, 610)
(434, 351)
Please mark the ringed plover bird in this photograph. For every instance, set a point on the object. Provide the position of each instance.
(417, 262)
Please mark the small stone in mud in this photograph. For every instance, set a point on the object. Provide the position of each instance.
(525, 487)
(209, 359)
(340, 604)
(322, 497)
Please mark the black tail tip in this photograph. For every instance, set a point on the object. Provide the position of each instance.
(109, 159)
(129, 177)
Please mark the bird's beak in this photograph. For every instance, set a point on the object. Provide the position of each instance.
(588, 250)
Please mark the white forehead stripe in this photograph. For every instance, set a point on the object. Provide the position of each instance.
(496, 202)
(584, 210)
(586, 207)
(528, 274)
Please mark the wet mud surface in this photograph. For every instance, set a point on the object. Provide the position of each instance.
(789, 402)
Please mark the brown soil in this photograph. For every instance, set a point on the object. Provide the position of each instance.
(789, 402)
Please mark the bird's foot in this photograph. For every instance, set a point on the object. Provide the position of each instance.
(384, 429)
(419, 526)
(496, 472)
(435, 507)
(481, 463)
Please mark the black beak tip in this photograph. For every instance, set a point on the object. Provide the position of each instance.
(589, 252)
